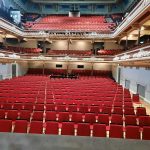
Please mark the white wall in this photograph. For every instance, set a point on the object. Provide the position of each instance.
(52, 65)
(1, 39)
(115, 72)
(112, 45)
(22, 68)
(58, 45)
(28, 44)
(80, 45)
(72, 65)
(73, 45)
(6, 70)
(102, 66)
(136, 76)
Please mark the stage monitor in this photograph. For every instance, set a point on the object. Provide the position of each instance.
(58, 65)
(74, 13)
(16, 15)
(80, 66)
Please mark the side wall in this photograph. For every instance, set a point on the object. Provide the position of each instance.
(6, 69)
(73, 45)
(72, 65)
(135, 76)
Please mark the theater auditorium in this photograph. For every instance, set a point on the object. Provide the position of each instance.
(74, 74)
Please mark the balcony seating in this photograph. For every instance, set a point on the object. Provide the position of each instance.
(109, 51)
(83, 23)
(70, 52)
(24, 50)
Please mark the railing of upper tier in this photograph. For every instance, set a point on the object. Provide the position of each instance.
(139, 9)
(140, 52)
(11, 27)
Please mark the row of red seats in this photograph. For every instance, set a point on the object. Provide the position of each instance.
(24, 50)
(54, 18)
(81, 129)
(127, 109)
(74, 71)
(93, 23)
(70, 52)
(77, 117)
(109, 52)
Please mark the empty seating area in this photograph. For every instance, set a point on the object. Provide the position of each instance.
(83, 23)
(99, 107)
(70, 52)
(109, 51)
(24, 50)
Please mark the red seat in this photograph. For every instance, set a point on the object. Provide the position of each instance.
(18, 106)
(50, 107)
(28, 106)
(37, 115)
(116, 131)
(36, 127)
(116, 119)
(141, 111)
(90, 118)
(132, 132)
(5, 125)
(39, 107)
(25, 115)
(106, 110)
(63, 116)
(83, 129)
(99, 130)
(136, 98)
(129, 111)
(61, 108)
(77, 117)
(21, 126)
(12, 114)
(67, 128)
(7, 106)
(146, 133)
(130, 120)
(51, 128)
(2, 114)
(51, 116)
(118, 110)
(144, 121)
(103, 119)
(72, 108)
(94, 109)
(83, 109)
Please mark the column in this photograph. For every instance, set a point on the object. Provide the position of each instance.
(126, 42)
(139, 34)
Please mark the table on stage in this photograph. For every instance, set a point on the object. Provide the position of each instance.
(70, 76)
